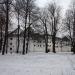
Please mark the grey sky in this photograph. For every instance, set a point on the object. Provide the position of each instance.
(63, 3)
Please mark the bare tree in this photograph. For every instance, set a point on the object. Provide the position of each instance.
(74, 34)
(71, 24)
(17, 6)
(33, 17)
(27, 9)
(2, 26)
(54, 13)
(68, 22)
(5, 8)
(6, 29)
(26, 15)
(44, 19)
(74, 27)
(22, 5)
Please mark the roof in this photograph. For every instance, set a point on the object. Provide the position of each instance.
(34, 35)
(15, 32)
(65, 38)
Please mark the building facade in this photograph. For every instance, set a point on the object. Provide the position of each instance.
(36, 43)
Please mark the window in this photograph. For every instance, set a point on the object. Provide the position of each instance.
(43, 45)
(10, 38)
(10, 48)
(40, 41)
(10, 43)
(40, 45)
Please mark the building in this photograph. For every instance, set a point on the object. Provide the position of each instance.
(36, 43)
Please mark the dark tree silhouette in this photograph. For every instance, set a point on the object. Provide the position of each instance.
(6, 27)
(2, 26)
(44, 18)
(17, 6)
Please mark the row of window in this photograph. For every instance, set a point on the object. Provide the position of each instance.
(11, 43)
(37, 41)
(41, 45)
(41, 41)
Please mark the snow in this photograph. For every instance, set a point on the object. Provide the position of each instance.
(37, 64)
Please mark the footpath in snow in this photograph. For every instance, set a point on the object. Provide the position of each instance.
(38, 64)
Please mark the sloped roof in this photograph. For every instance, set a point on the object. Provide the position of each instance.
(34, 35)
(65, 38)
(15, 32)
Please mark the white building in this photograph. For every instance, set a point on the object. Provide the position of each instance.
(36, 43)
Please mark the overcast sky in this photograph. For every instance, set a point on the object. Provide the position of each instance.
(63, 3)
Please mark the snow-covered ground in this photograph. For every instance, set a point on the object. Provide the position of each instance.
(38, 64)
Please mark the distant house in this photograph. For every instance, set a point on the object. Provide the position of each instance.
(36, 43)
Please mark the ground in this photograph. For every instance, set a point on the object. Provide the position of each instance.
(37, 64)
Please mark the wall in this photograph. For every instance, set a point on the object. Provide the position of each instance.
(35, 46)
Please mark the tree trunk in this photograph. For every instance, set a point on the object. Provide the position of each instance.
(1, 40)
(46, 44)
(18, 41)
(61, 45)
(71, 45)
(53, 35)
(18, 35)
(27, 45)
(71, 40)
(53, 42)
(7, 46)
(46, 38)
(6, 28)
(24, 42)
(74, 47)
(28, 36)
(26, 15)
(74, 34)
